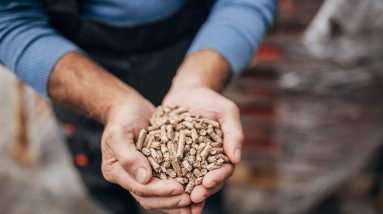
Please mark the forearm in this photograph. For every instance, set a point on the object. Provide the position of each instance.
(204, 68)
(86, 87)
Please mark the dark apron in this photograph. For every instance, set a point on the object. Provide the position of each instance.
(145, 57)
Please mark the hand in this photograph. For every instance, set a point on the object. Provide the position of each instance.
(86, 87)
(195, 86)
(210, 104)
(124, 165)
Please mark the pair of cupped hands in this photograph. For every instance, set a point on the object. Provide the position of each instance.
(124, 165)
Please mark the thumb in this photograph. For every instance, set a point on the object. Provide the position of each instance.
(232, 131)
(134, 162)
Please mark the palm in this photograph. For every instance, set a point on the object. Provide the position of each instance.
(211, 104)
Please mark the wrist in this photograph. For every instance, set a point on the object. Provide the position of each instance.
(205, 68)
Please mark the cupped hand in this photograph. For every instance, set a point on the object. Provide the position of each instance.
(208, 103)
(124, 165)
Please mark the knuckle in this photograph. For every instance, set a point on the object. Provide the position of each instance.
(146, 205)
(214, 182)
(107, 173)
(134, 191)
(137, 191)
(111, 132)
(170, 204)
(232, 106)
(126, 162)
(113, 129)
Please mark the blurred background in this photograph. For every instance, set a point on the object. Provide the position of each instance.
(312, 113)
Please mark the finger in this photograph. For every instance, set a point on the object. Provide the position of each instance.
(200, 193)
(120, 141)
(217, 176)
(157, 203)
(183, 210)
(230, 120)
(155, 187)
(197, 208)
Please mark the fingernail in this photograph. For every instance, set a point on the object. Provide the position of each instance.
(183, 202)
(141, 174)
(237, 154)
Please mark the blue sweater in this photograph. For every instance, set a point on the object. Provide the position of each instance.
(30, 47)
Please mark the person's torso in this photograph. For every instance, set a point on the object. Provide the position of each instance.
(99, 25)
(129, 12)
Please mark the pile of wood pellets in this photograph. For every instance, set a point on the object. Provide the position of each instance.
(182, 146)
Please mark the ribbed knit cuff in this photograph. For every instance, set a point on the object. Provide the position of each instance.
(36, 64)
(228, 42)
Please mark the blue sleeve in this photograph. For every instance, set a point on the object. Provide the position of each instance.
(235, 28)
(28, 46)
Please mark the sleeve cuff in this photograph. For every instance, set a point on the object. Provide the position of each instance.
(226, 41)
(38, 60)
